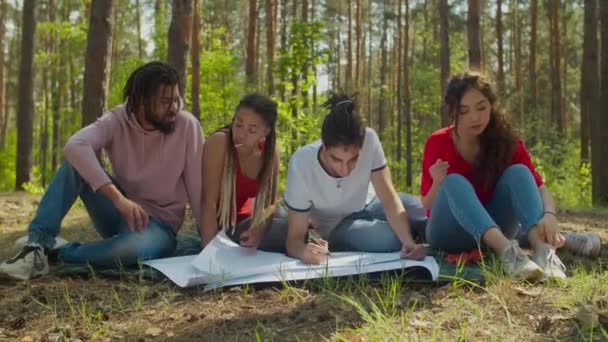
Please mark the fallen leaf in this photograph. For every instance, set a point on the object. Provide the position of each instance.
(153, 332)
(526, 292)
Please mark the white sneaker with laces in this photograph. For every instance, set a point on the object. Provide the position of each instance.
(518, 265)
(550, 263)
(21, 242)
(30, 262)
(585, 244)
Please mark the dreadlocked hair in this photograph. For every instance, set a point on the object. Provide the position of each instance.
(267, 194)
(342, 126)
(143, 83)
(498, 140)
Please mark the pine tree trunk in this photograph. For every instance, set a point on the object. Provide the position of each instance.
(251, 31)
(283, 46)
(358, 47)
(473, 35)
(500, 75)
(533, 87)
(179, 38)
(444, 54)
(271, 27)
(589, 92)
(96, 61)
(518, 65)
(383, 71)
(599, 148)
(3, 117)
(140, 42)
(196, 61)
(407, 98)
(556, 88)
(25, 97)
(348, 74)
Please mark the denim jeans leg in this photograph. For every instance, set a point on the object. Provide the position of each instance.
(458, 219)
(516, 200)
(127, 248)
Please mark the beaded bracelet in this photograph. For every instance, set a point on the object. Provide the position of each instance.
(550, 212)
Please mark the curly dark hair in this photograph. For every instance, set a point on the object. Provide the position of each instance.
(143, 83)
(498, 140)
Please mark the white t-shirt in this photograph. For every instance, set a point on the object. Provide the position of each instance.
(329, 199)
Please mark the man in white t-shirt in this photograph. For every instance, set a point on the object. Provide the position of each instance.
(333, 183)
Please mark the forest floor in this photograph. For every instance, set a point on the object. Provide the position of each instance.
(71, 309)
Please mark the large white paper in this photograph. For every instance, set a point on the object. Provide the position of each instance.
(224, 263)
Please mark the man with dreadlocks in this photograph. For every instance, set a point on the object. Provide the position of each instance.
(240, 179)
(156, 152)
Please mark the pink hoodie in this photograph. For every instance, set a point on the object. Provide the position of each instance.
(160, 172)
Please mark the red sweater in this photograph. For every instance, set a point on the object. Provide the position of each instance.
(441, 146)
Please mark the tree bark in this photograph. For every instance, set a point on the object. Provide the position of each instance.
(533, 87)
(25, 102)
(179, 38)
(589, 93)
(3, 117)
(500, 74)
(383, 71)
(444, 54)
(407, 98)
(473, 35)
(251, 31)
(271, 27)
(348, 74)
(96, 60)
(196, 61)
(599, 148)
(556, 87)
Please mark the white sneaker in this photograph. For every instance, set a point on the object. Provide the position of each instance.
(30, 262)
(550, 263)
(585, 244)
(518, 265)
(21, 242)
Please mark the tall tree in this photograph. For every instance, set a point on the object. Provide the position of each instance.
(140, 42)
(532, 78)
(382, 112)
(348, 74)
(407, 98)
(271, 32)
(250, 71)
(196, 61)
(180, 36)
(599, 148)
(96, 60)
(359, 46)
(517, 62)
(444, 53)
(500, 73)
(555, 76)
(25, 101)
(3, 117)
(589, 93)
(473, 35)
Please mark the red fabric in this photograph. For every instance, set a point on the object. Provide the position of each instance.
(471, 257)
(441, 146)
(246, 189)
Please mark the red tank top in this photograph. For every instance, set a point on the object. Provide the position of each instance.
(245, 189)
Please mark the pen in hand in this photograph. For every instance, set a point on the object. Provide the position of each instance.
(314, 237)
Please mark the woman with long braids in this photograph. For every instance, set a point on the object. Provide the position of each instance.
(480, 185)
(240, 179)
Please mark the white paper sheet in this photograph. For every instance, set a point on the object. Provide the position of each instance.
(224, 263)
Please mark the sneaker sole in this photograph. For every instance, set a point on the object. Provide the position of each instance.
(534, 275)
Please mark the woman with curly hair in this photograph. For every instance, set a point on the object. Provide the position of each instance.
(479, 185)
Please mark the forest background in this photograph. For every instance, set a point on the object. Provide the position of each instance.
(63, 61)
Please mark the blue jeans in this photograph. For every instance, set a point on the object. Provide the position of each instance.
(369, 231)
(275, 235)
(458, 219)
(120, 245)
